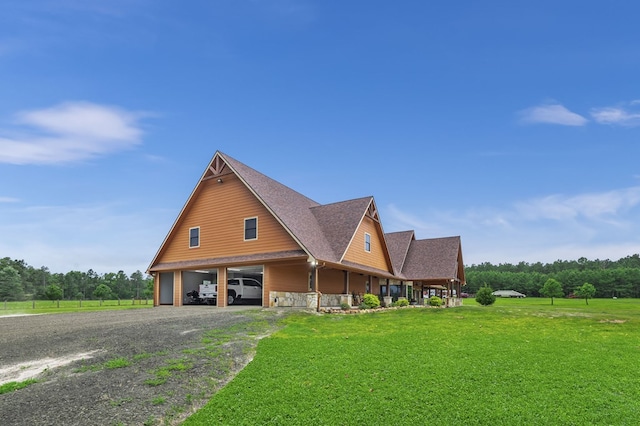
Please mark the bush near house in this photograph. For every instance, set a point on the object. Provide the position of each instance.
(370, 301)
(434, 301)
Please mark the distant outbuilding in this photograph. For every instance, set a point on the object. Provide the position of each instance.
(508, 293)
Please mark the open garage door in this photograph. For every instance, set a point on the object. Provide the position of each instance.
(200, 287)
(245, 285)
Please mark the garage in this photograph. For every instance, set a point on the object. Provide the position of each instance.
(245, 286)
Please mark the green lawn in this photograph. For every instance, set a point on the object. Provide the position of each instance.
(519, 362)
(52, 307)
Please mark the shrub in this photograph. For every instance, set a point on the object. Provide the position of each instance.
(434, 301)
(370, 301)
(485, 296)
(400, 303)
(345, 306)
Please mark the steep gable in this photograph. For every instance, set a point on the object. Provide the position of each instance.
(339, 222)
(398, 244)
(218, 206)
(378, 254)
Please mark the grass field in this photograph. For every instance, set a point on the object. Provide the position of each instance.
(52, 307)
(518, 362)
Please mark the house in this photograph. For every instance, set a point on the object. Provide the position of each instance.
(238, 223)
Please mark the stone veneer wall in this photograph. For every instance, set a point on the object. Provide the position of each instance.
(301, 300)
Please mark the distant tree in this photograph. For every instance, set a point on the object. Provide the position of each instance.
(102, 292)
(148, 291)
(485, 296)
(10, 284)
(552, 288)
(53, 292)
(587, 291)
(137, 283)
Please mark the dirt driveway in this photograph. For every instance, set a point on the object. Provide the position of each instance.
(134, 367)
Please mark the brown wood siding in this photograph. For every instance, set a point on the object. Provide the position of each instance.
(331, 281)
(356, 253)
(375, 285)
(357, 283)
(294, 278)
(219, 209)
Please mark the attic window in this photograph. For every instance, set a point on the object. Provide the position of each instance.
(194, 237)
(367, 242)
(251, 229)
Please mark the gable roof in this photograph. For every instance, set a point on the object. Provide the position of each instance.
(324, 232)
(434, 258)
(339, 221)
(398, 244)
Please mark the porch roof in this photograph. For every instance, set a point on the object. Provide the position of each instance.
(434, 258)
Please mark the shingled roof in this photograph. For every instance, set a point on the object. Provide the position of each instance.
(434, 258)
(398, 245)
(339, 221)
(325, 231)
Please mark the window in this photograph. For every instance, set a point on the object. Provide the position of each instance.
(251, 229)
(194, 237)
(367, 242)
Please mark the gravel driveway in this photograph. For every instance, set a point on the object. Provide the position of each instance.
(131, 367)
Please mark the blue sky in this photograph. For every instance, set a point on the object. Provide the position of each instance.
(512, 124)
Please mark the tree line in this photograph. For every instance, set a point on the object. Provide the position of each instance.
(620, 278)
(20, 281)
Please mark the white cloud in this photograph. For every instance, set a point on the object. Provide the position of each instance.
(103, 237)
(595, 206)
(552, 114)
(8, 200)
(70, 132)
(595, 225)
(616, 115)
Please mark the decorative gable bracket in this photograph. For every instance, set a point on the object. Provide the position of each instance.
(216, 169)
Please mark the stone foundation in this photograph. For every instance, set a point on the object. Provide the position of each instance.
(288, 299)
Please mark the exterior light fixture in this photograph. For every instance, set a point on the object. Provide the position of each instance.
(219, 180)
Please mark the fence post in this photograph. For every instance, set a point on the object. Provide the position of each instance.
(133, 300)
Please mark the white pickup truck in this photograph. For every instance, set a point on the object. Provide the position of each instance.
(237, 289)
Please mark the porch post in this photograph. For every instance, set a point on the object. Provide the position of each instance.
(177, 288)
(346, 282)
(222, 288)
(156, 289)
(319, 295)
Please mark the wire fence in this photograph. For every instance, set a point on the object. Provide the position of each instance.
(69, 304)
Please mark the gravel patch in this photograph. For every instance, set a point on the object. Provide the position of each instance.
(129, 367)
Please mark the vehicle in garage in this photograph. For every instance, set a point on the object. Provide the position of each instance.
(245, 289)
